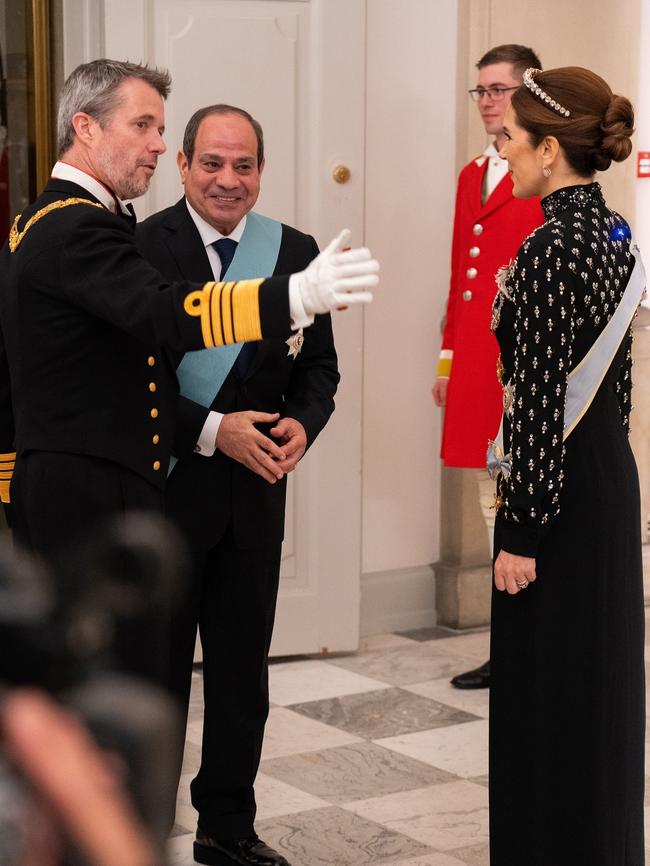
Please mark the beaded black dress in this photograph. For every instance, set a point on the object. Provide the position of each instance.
(567, 678)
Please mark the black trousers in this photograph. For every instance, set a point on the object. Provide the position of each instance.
(60, 501)
(232, 600)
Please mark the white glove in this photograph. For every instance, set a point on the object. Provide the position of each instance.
(334, 279)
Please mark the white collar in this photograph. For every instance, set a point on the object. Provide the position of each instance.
(65, 171)
(491, 151)
(209, 234)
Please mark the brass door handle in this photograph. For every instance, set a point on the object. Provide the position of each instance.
(341, 174)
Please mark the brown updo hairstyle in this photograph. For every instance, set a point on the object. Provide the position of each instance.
(599, 127)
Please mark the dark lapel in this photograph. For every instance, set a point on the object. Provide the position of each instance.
(183, 240)
(184, 243)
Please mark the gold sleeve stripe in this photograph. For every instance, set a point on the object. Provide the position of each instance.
(215, 315)
(6, 473)
(10, 455)
(4, 492)
(444, 368)
(247, 325)
(226, 313)
(240, 306)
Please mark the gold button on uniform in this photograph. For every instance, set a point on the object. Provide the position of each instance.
(477, 229)
(156, 465)
(155, 439)
(471, 273)
(474, 252)
(151, 361)
(467, 295)
(152, 387)
(154, 413)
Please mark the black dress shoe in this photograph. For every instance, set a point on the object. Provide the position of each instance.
(250, 851)
(479, 678)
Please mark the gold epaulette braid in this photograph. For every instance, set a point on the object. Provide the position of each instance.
(15, 237)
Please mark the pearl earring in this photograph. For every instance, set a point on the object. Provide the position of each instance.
(546, 171)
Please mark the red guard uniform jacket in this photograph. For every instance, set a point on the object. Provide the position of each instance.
(485, 238)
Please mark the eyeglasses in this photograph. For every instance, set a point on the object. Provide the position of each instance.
(495, 93)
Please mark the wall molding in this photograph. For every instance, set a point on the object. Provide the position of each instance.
(398, 600)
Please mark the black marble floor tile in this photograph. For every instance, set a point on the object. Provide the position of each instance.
(383, 713)
(334, 837)
(354, 772)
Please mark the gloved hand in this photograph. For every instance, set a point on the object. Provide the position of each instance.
(336, 278)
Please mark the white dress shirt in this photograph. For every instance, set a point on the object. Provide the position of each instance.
(65, 171)
(497, 169)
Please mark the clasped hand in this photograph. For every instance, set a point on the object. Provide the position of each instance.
(239, 438)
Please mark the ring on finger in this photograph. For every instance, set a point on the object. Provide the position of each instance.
(522, 584)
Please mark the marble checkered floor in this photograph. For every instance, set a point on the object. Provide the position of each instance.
(369, 758)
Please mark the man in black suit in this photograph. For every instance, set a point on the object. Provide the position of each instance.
(85, 322)
(229, 496)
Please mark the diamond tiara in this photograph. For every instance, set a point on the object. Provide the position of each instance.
(542, 94)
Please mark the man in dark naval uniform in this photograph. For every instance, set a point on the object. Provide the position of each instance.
(84, 321)
(228, 496)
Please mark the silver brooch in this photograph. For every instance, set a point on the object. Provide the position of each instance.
(294, 343)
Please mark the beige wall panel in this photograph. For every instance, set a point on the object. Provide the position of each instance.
(410, 182)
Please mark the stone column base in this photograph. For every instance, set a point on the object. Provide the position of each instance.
(463, 573)
(463, 595)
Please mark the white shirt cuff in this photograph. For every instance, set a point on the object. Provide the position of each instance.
(207, 444)
(299, 317)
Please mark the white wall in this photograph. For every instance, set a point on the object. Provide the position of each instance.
(410, 183)
(642, 226)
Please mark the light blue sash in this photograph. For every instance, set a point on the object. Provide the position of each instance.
(201, 374)
(584, 380)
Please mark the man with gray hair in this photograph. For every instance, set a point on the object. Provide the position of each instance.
(85, 324)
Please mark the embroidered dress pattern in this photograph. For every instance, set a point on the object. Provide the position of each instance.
(555, 297)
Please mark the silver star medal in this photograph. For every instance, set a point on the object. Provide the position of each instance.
(294, 343)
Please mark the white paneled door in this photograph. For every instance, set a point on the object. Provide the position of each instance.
(299, 68)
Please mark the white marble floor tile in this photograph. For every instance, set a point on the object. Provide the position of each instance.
(194, 731)
(411, 663)
(431, 860)
(475, 855)
(475, 645)
(382, 641)
(289, 733)
(447, 816)
(180, 851)
(312, 680)
(475, 701)
(191, 757)
(461, 749)
(185, 812)
(275, 798)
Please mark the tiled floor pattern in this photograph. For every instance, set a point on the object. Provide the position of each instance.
(371, 758)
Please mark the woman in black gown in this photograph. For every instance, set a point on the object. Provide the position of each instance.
(567, 692)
